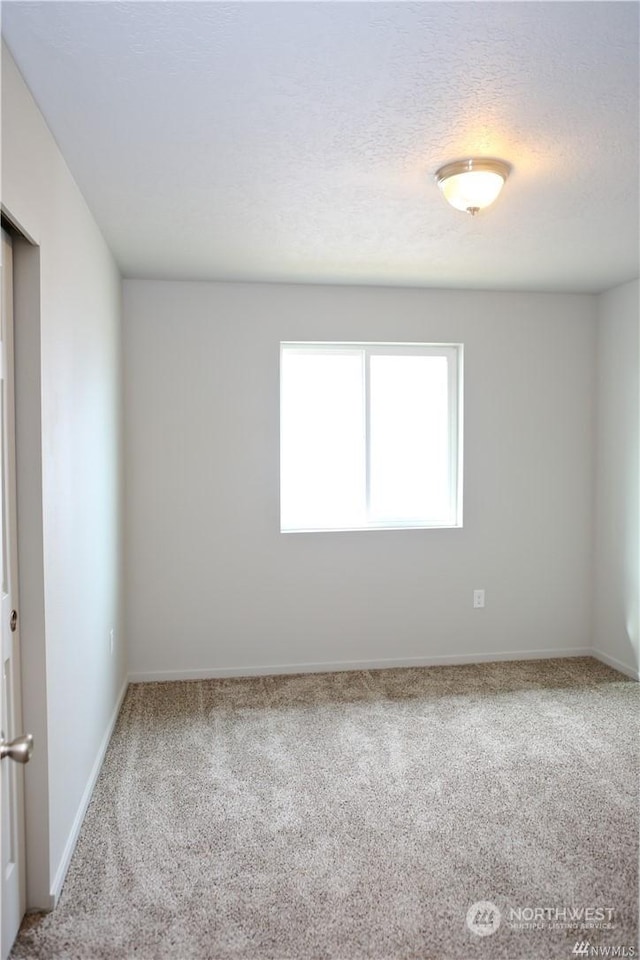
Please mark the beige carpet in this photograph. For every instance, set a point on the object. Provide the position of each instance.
(359, 815)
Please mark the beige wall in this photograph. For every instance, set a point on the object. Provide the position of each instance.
(69, 480)
(213, 586)
(617, 582)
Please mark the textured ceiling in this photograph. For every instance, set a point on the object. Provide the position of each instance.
(297, 141)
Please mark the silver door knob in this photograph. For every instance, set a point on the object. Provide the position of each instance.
(19, 749)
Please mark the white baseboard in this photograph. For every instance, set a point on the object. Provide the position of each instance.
(632, 672)
(211, 673)
(70, 845)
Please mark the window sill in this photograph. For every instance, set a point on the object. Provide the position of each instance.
(374, 528)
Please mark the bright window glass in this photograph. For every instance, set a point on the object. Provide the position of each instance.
(370, 436)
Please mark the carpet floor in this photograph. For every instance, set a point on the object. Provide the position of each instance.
(360, 816)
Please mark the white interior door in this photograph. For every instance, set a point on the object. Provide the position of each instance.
(15, 749)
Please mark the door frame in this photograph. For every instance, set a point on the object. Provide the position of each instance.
(13, 884)
(29, 488)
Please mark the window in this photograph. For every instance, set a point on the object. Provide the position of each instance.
(370, 436)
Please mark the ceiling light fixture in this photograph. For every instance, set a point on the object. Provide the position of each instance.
(471, 185)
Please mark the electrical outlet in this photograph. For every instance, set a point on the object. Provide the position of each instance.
(112, 638)
(478, 599)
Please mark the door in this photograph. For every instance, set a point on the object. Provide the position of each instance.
(15, 749)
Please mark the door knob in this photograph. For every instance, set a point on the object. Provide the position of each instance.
(19, 749)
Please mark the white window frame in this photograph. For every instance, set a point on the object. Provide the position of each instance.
(454, 354)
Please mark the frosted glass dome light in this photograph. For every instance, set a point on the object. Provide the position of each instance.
(471, 185)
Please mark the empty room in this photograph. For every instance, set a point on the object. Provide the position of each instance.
(320, 405)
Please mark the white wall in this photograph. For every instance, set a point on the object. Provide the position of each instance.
(212, 585)
(71, 507)
(617, 593)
